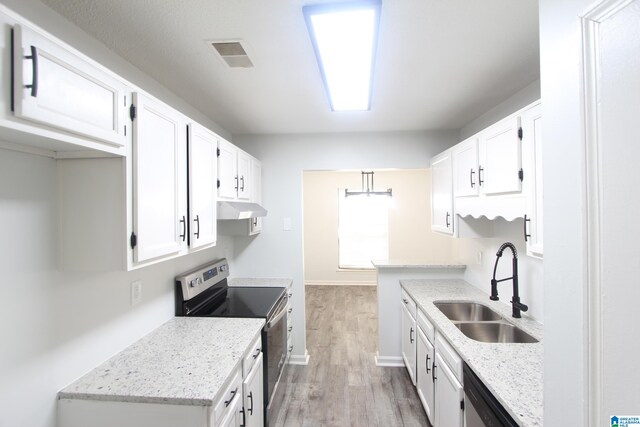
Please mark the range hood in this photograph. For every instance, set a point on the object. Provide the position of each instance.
(240, 210)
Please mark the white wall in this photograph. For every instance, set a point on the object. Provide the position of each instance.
(530, 269)
(564, 227)
(56, 326)
(410, 237)
(284, 157)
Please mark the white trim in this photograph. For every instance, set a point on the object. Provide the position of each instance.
(388, 361)
(300, 359)
(337, 283)
(22, 148)
(590, 22)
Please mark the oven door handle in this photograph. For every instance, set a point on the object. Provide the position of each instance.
(275, 319)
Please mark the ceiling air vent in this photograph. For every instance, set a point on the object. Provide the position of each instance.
(233, 54)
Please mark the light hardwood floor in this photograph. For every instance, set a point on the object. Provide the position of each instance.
(342, 386)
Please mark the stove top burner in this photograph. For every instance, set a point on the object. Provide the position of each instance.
(248, 302)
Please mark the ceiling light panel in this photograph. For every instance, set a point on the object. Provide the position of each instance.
(344, 37)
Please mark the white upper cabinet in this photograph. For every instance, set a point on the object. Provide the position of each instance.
(203, 175)
(234, 172)
(255, 224)
(227, 170)
(159, 180)
(244, 176)
(500, 157)
(532, 178)
(442, 193)
(60, 89)
(465, 168)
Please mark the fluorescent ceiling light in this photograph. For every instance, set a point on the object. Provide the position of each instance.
(344, 37)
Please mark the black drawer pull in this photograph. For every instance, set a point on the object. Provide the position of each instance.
(34, 66)
(233, 394)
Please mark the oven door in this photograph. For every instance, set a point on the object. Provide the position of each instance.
(276, 334)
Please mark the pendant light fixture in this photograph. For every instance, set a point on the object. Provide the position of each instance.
(367, 187)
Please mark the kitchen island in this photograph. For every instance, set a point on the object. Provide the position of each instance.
(389, 273)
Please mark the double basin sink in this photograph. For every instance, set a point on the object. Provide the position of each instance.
(481, 323)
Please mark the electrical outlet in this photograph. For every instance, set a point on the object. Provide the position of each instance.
(136, 292)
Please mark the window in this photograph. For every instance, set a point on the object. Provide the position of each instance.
(363, 230)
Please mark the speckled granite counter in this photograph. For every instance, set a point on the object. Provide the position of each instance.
(512, 372)
(250, 282)
(398, 263)
(186, 361)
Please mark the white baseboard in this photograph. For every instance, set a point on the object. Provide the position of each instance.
(389, 361)
(300, 359)
(337, 283)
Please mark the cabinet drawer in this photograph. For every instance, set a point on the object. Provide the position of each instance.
(252, 355)
(426, 326)
(408, 302)
(228, 398)
(450, 356)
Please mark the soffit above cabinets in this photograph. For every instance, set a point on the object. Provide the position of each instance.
(440, 64)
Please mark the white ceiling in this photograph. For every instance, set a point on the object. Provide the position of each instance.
(440, 63)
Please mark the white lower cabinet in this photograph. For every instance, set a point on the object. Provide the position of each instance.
(409, 336)
(449, 396)
(434, 367)
(424, 368)
(253, 395)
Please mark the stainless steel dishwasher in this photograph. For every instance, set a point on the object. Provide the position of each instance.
(481, 407)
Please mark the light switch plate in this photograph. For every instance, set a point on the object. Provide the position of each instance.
(136, 292)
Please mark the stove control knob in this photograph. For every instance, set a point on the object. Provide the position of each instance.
(195, 282)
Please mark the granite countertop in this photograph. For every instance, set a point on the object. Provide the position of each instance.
(512, 372)
(186, 361)
(257, 282)
(400, 263)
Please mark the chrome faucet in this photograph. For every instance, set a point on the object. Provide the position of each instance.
(515, 301)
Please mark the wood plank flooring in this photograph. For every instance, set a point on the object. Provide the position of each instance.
(342, 386)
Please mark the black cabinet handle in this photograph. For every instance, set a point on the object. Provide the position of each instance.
(290, 328)
(411, 335)
(197, 220)
(447, 220)
(257, 353)
(480, 181)
(244, 418)
(34, 67)
(433, 373)
(233, 393)
(427, 364)
(526, 236)
(290, 349)
(471, 173)
(236, 188)
(250, 396)
(242, 186)
(405, 301)
(184, 228)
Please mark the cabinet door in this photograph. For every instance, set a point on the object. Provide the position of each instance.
(500, 157)
(159, 179)
(234, 416)
(448, 396)
(409, 343)
(253, 396)
(203, 174)
(424, 373)
(532, 178)
(244, 176)
(255, 224)
(465, 168)
(56, 87)
(227, 170)
(441, 194)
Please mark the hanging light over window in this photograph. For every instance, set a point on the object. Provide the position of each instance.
(344, 37)
(367, 187)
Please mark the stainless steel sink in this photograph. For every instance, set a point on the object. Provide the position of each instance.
(467, 311)
(497, 332)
